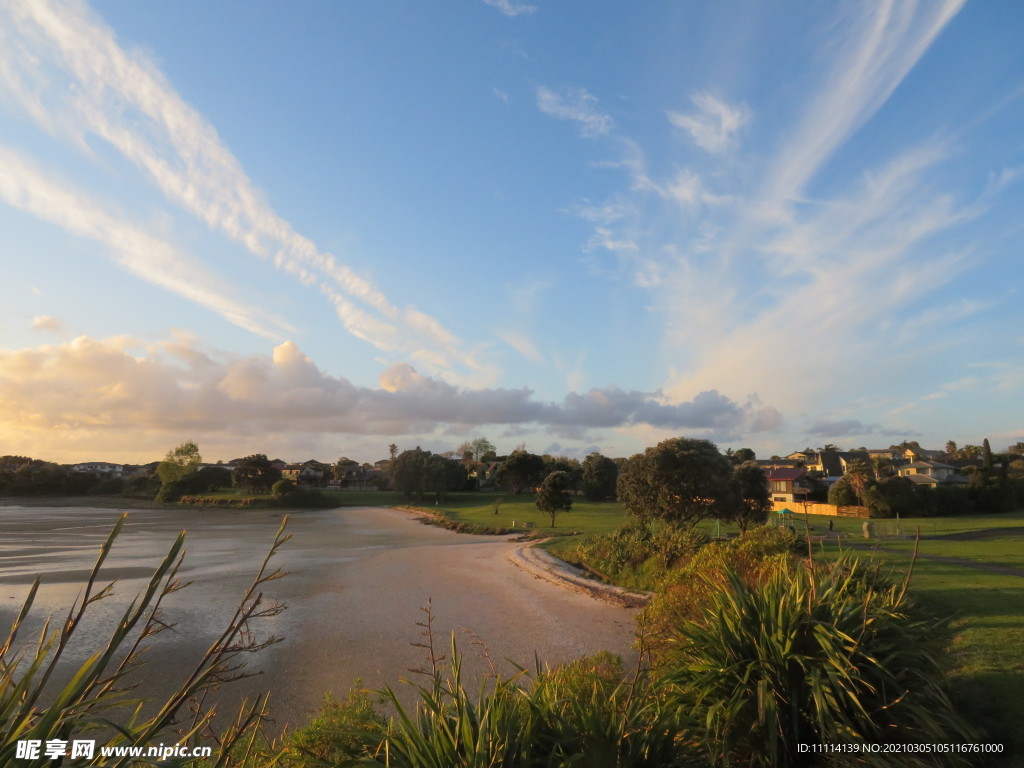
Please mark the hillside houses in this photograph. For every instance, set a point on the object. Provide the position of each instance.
(931, 473)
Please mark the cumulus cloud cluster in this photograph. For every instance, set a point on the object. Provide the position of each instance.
(178, 387)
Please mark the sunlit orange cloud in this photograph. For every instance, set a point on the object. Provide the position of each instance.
(127, 401)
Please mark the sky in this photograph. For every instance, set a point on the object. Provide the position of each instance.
(312, 230)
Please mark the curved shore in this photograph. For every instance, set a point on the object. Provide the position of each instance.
(359, 578)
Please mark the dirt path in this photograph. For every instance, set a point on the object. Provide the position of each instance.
(544, 565)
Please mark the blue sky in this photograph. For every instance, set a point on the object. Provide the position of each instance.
(316, 230)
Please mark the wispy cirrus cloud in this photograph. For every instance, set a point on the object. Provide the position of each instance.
(854, 428)
(871, 57)
(577, 105)
(510, 8)
(715, 124)
(68, 72)
(743, 269)
(25, 187)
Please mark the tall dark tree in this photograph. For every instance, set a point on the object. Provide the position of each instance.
(256, 474)
(408, 475)
(743, 455)
(859, 473)
(681, 480)
(755, 501)
(442, 475)
(553, 497)
(599, 476)
(520, 470)
(841, 494)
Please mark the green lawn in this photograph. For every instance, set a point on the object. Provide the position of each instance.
(987, 612)
(506, 510)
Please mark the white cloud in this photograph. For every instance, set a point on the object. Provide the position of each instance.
(870, 59)
(25, 187)
(575, 104)
(47, 323)
(64, 66)
(740, 273)
(509, 8)
(715, 125)
(109, 386)
(521, 344)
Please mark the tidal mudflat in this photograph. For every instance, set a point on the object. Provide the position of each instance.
(357, 580)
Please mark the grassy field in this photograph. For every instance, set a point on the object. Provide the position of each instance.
(987, 609)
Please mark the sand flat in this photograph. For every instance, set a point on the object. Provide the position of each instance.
(358, 579)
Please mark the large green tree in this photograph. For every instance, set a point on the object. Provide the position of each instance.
(520, 470)
(475, 450)
(255, 474)
(681, 480)
(860, 474)
(599, 476)
(755, 501)
(407, 475)
(553, 496)
(441, 475)
(842, 494)
(179, 461)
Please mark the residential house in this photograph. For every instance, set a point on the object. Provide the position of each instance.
(833, 464)
(780, 463)
(931, 473)
(307, 473)
(892, 454)
(101, 470)
(787, 484)
(922, 454)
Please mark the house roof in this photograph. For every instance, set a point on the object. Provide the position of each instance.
(830, 463)
(784, 473)
(921, 479)
(926, 465)
(765, 463)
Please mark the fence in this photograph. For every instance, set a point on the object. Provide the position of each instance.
(820, 509)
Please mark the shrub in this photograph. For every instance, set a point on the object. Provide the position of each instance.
(113, 487)
(169, 492)
(339, 730)
(143, 486)
(638, 554)
(305, 498)
(282, 488)
(812, 656)
(582, 714)
(841, 494)
(682, 593)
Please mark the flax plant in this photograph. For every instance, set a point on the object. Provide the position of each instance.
(97, 700)
(583, 714)
(814, 656)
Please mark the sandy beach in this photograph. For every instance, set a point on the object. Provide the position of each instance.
(358, 579)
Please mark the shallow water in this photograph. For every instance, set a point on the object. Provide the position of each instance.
(358, 579)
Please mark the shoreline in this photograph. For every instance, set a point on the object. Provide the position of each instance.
(359, 580)
(527, 556)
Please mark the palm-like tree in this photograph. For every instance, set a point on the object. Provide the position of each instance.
(859, 473)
